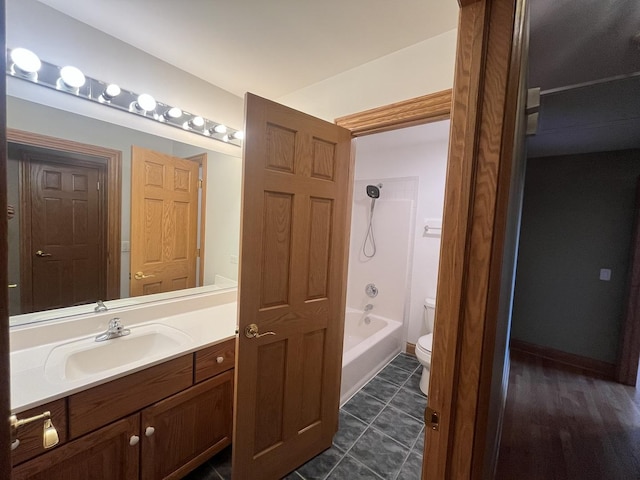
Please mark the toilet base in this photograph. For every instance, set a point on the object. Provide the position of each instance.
(424, 380)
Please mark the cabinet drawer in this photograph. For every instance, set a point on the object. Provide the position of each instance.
(105, 403)
(214, 360)
(107, 453)
(30, 435)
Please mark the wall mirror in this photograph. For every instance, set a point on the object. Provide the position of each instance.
(48, 226)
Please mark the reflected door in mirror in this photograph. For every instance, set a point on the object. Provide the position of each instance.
(164, 222)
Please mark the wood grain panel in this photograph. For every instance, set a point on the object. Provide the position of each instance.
(106, 453)
(51, 180)
(314, 348)
(100, 405)
(276, 246)
(154, 174)
(324, 158)
(79, 183)
(270, 394)
(415, 111)
(281, 147)
(181, 220)
(320, 223)
(153, 209)
(30, 435)
(152, 287)
(206, 360)
(190, 427)
(182, 181)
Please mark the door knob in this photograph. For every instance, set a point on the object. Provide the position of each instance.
(40, 253)
(141, 275)
(252, 331)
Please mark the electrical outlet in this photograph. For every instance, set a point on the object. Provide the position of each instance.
(605, 274)
(234, 259)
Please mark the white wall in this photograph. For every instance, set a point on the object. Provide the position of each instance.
(417, 151)
(423, 68)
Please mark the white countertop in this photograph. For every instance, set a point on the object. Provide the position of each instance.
(206, 320)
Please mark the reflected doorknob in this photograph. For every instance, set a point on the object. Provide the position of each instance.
(40, 253)
(141, 275)
(252, 331)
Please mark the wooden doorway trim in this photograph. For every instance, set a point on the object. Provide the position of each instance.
(627, 368)
(415, 111)
(113, 159)
(201, 159)
(481, 157)
(5, 373)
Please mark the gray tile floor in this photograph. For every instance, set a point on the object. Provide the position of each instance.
(381, 434)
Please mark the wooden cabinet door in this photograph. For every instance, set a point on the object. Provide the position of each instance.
(105, 454)
(183, 431)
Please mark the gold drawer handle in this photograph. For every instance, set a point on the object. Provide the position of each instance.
(50, 436)
(141, 275)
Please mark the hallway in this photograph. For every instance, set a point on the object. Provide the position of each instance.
(562, 424)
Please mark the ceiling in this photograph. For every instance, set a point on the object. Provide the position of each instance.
(276, 47)
(269, 47)
(574, 42)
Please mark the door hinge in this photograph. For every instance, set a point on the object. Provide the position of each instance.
(197, 252)
(432, 418)
(200, 183)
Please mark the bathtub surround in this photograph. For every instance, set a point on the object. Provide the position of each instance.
(421, 153)
(381, 433)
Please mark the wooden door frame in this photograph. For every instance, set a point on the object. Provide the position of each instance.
(26, 245)
(481, 156)
(113, 159)
(627, 367)
(5, 366)
(201, 159)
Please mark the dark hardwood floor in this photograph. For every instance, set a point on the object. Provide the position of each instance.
(562, 424)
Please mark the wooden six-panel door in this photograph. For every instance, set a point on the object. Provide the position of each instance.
(294, 242)
(164, 216)
(63, 246)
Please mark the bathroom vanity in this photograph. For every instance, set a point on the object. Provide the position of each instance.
(154, 417)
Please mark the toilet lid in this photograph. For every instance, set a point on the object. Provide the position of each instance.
(426, 342)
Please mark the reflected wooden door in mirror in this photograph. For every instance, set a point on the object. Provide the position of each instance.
(61, 222)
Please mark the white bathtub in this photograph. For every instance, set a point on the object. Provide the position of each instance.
(368, 346)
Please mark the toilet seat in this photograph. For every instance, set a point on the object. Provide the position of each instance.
(425, 343)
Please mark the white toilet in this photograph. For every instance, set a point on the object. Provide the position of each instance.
(423, 347)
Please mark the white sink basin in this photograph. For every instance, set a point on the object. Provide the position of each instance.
(84, 358)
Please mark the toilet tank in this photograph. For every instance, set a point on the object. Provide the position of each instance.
(429, 313)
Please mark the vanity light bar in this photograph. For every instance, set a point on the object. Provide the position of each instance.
(109, 94)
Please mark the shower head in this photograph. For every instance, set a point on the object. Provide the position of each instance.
(373, 191)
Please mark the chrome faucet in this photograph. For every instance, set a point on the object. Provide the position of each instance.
(115, 330)
(100, 307)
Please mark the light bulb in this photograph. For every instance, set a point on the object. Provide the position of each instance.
(174, 112)
(109, 93)
(72, 77)
(197, 121)
(239, 135)
(225, 138)
(146, 102)
(25, 60)
(220, 128)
